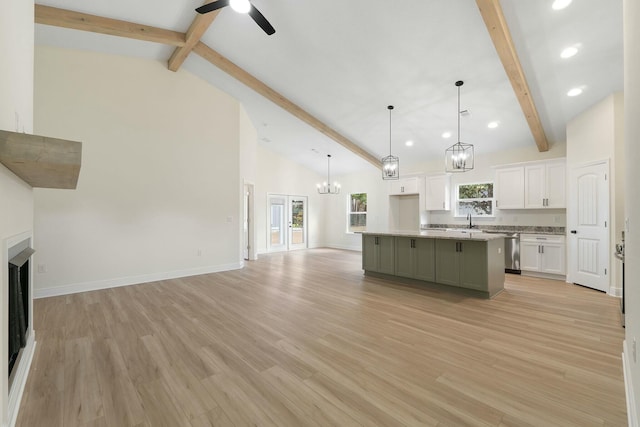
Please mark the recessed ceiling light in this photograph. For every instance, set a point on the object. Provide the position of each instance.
(574, 92)
(446, 135)
(560, 4)
(492, 125)
(568, 52)
(409, 143)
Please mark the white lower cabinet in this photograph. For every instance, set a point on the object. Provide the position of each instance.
(542, 253)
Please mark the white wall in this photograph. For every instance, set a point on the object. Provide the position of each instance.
(369, 182)
(16, 114)
(279, 175)
(632, 195)
(248, 170)
(159, 193)
(595, 135)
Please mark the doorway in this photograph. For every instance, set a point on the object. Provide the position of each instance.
(287, 222)
(248, 228)
(588, 220)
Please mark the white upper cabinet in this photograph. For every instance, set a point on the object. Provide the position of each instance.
(544, 185)
(556, 184)
(508, 188)
(438, 193)
(404, 186)
(535, 185)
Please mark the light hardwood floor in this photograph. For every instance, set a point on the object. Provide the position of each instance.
(305, 339)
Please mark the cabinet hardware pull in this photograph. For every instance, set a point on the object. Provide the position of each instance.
(442, 205)
(496, 203)
(542, 248)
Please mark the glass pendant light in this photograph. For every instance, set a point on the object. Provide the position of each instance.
(459, 157)
(390, 164)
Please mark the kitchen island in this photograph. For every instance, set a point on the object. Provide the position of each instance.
(468, 259)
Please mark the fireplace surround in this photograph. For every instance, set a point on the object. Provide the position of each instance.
(18, 346)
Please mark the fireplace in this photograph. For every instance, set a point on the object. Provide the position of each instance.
(19, 296)
(17, 325)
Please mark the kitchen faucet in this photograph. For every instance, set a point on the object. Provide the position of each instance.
(469, 218)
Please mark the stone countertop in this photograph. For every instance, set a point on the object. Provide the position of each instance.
(472, 234)
(521, 229)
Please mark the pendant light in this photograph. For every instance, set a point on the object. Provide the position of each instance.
(326, 187)
(390, 164)
(459, 157)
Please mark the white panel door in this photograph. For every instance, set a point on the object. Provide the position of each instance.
(588, 224)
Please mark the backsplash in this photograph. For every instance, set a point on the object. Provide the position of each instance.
(505, 228)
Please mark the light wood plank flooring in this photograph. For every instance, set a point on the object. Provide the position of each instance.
(305, 339)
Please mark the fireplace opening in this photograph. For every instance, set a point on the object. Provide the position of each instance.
(18, 302)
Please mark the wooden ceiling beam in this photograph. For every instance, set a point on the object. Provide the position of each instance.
(97, 24)
(197, 29)
(81, 21)
(496, 24)
(250, 81)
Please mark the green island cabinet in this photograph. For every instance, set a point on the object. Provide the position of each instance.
(476, 264)
(462, 263)
(415, 258)
(378, 253)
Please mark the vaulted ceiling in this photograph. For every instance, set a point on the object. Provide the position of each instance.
(321, 84)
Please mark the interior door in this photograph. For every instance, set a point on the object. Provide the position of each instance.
(245, 224)
(588, 215)
(287, 222)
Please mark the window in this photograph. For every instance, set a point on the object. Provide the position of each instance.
(475, 199)
(357, 212)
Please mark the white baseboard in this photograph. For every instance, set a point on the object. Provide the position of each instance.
(632, 416)
(542, 275)
(20, 379)
(615, 292)
(357, 248)
(131, 280)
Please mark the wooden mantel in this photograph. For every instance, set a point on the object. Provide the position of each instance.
(41, 161)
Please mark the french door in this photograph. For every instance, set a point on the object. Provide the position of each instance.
(287, 222)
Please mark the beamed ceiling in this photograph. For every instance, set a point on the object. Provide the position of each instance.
(321, 84)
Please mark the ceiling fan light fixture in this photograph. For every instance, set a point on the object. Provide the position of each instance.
(240, 6)
(460, 156)
(390, 163)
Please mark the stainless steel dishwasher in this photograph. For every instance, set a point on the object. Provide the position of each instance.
(512, 253)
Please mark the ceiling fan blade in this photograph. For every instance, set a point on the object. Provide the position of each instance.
(261, 20)
(210, 7)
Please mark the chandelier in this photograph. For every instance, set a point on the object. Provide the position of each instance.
(326, 187)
